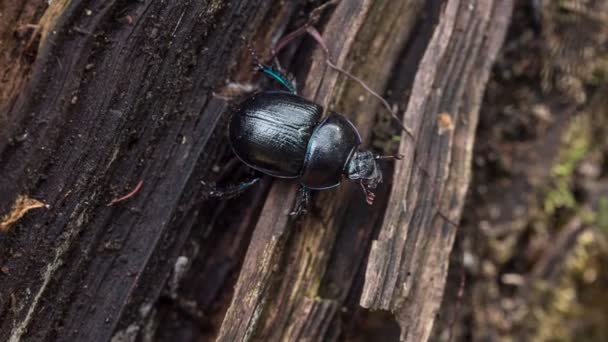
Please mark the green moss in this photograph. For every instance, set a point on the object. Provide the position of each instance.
(577, 142)
(599, 73)
(585, 311)
(601, 217)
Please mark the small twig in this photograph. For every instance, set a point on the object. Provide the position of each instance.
(314, 17)
(127, 196)
(31, 26)
(82, 31)
(179, 21)
(286, 40)
(444, 217)
(59, 63)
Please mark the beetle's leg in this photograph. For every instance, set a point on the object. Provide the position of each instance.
(288, 83)
(302, 200)
(279, 77)
(232, 190)
(274, 73)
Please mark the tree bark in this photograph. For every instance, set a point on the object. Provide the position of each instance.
(109, 118)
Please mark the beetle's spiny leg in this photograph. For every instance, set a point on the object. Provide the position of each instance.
(274, 73)
(232, 190)
(302, 201)
(278, 76)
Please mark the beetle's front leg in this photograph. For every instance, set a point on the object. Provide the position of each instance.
(302, 200)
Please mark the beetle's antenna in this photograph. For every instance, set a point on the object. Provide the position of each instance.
(396, 157)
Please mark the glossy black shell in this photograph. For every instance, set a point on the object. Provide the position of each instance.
(281, 134)
(271, 130)
(331, 146)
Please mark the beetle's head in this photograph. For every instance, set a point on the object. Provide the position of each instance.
(363, 168)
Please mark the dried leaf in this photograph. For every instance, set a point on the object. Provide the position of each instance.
(22, 205)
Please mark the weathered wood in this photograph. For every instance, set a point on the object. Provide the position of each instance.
(408, 263)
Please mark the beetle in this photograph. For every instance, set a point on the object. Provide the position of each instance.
(284, 135)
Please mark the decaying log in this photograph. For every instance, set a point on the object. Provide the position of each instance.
(120, 101)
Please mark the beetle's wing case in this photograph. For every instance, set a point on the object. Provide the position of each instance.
(271, 130)
(330, 148)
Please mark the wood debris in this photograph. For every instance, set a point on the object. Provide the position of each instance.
(22, 205)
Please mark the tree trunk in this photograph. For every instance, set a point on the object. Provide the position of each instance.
(108, 117)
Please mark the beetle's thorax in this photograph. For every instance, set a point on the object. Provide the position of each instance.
(331, 146)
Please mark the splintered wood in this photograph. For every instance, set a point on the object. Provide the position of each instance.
(407, 266)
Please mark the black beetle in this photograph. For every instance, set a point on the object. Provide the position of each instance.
(284, 135)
